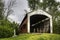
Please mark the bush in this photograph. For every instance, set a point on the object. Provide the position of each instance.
(5, 29)
(4, 32)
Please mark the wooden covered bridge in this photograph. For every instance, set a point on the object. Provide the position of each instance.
(36, 22)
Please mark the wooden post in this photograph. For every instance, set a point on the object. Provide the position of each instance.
(28, 24)
(37, 30)
(51, 28)
(34, 30)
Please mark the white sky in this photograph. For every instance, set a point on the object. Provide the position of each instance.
(58, 0)
(19, 12)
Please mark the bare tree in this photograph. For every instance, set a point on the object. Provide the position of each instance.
(9, 10)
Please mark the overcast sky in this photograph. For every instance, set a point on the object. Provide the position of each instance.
(19, 12)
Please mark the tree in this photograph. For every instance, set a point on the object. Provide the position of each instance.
(9, 10)
(1, 9)
(50, 4)
(33, 4)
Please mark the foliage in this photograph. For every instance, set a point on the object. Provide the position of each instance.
(35, 37)
(50, 4)
(5, 26)
(1, 9)
(5, 29)
(33, 4)
(15, 26)
(56, 28)
(17, 30)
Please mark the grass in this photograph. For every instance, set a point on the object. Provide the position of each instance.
(34, 37)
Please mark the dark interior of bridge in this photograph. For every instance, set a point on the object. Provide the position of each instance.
(36, 25)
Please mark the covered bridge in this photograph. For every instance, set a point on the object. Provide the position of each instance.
(37, 21)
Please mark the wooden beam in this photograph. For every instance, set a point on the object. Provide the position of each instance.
(40, 22)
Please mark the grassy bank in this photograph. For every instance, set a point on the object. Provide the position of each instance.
(34, 37)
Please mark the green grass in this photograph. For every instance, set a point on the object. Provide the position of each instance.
(34, 37)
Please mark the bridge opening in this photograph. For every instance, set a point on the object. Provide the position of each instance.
(39, 24)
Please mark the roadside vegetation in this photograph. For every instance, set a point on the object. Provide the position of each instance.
(34, 37)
